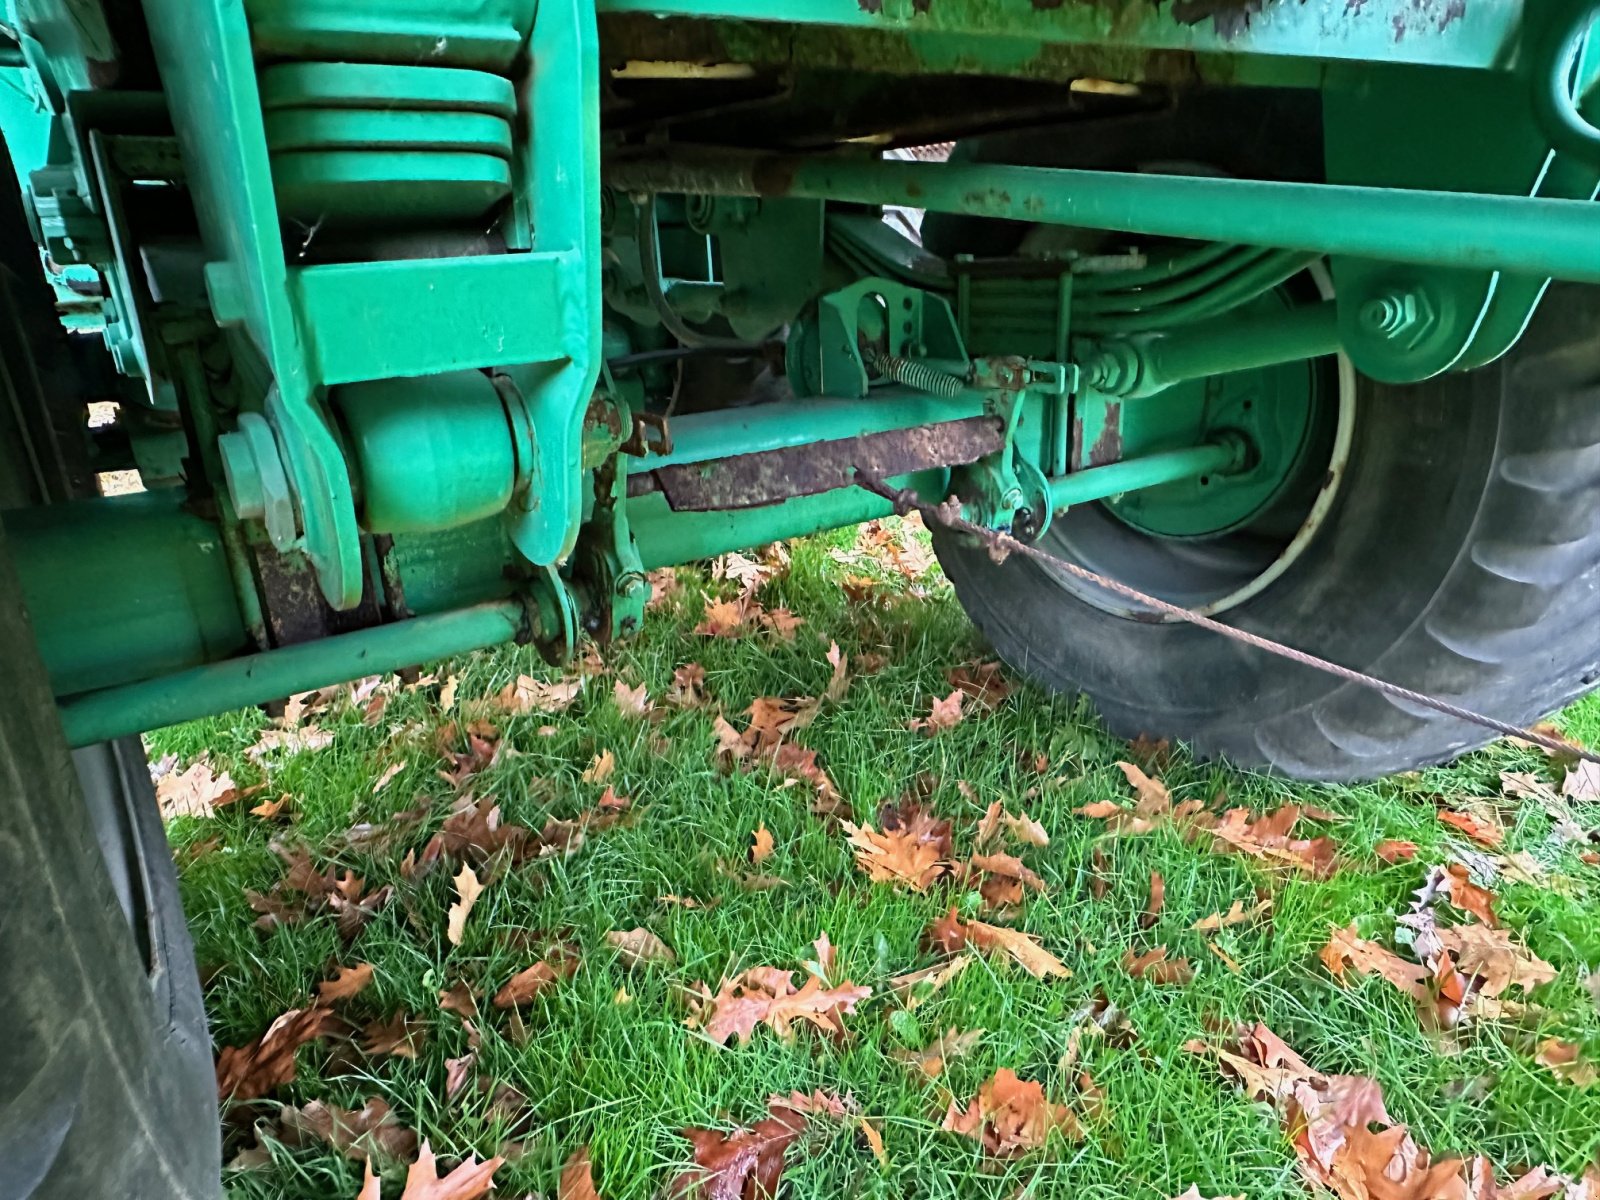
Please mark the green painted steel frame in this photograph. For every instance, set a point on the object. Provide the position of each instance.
(1437, 32)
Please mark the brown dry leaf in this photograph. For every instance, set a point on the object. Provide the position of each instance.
(1347, 949)
(942, 714)
(1492, 955)
(950, 934)
(469, 1181)
(372, 1131)
(269, 809)
(1152, 809)
(1157, 901)
(767, 996)
(601, 768)
(688, 688)
(982, 682)
(1481, 828)
(1155, 967)
(396, 1036)
(468, 889)
(289, 741)
(1237, 914)
(1566, 1062)
(728, 618)
(1582, 782)
(1455, 883)
(816, 1103)
(525, 694)
(1010, 1117)
(249, 1072)
(577, 1177)
(196, 792)
(746, 1164)
(632, 701)
(996, 819)
(781, 622)
(1267, 837)
(458, 1073)
(638, 947)
(1391, 850)
(930, 1060)
(345, 984)
(913, 850)
(839, 681)
(874, 1140)
(387, 774)
(761, 846)
(459, 999)
(1002, 879)
(522, 987)
(924, 983)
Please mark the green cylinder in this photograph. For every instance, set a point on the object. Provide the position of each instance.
(125, 588)
(431, 453)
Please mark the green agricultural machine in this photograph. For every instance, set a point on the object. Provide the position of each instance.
(429, 325)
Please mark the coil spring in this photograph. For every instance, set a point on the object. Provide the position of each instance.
(913, 374)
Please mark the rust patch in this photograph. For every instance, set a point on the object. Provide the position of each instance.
(773, 175)
(1107, 447)
(751, 480)
(1230, 18)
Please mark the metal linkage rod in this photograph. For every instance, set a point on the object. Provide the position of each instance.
(256, 678)
(1557, 239)
(1001, 545)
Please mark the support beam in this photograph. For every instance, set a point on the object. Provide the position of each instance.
(1556, 239)
(1096, 483)
(1146, 364)
(256, 678)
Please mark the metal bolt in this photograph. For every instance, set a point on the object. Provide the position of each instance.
(1403, 314)
(258, 486)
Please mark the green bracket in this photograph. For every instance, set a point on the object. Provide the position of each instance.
(770, 254)
(825, 352)
(1455, 130)
(560, 171)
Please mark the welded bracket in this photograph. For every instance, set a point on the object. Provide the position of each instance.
(825, 353)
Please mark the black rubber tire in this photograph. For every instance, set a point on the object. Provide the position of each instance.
(106, 1083)
(1459, 559)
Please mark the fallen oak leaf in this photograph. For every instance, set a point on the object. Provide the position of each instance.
(526, 984)
(816, 1103)
(1565, 1061)
(942, 714)
(632, 701)
(1010, 1117)
(767, 996)
(982, 682)
(746, 1164)
(251, 1071)
(1479, 829)
(1158, 899)
(762, 844)
(469, 1181)
(1391, 850)
(396, 1036)
(950, 934)
(195, 792)
(1155, 967)
(839, 680)
(577, 1177)
(372, 1131)
(924, 983)
(346, 983)
(1237, 914)
(913, 849)
(601, 768)
(468, 889)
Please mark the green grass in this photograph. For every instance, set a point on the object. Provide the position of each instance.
(624, 1078)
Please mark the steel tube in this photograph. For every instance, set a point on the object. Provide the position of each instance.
(1169, 466)
(255, 678)
(667, 538)
(1557, 239)
(698, 437)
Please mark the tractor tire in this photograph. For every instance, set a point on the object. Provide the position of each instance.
(1458, 557)
(1461, 559)
(106, 1084)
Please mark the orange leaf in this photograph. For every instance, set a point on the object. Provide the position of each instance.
(1479, 831)
(762, 845)
(346, 983)
(469, 1181)
(1155, 967)
(577, 1177)
(1393, 851)
(1011, 1116)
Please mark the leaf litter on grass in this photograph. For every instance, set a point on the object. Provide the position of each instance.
(1143, 902)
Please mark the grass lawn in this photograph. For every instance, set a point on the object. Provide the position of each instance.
(602, 1056)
